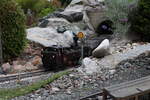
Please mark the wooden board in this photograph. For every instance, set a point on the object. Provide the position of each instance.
(129, 88)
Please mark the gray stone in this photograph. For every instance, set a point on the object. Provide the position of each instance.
(55, 22)
(61, 29)
(44, 23)
(71, 16)
(148, 67)
(6, 68)
(102, 50)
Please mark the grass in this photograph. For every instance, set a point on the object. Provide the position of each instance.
(6, 94)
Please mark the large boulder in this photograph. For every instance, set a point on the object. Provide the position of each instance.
(49, 36)
(102, 50)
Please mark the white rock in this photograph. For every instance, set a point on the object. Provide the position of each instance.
(112, 71)
(69, 91)
(68, 36)
(102, 50)
(89, 65)
(75, 8)
(71, 75)
(101, 0)
(55, 89)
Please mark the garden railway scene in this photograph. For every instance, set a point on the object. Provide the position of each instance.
(74, 50)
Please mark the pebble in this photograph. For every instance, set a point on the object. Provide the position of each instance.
(55, 89)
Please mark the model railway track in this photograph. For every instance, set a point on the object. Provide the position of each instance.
(20, 76)
(92, 96)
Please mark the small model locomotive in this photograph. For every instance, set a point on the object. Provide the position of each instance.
(56, 58)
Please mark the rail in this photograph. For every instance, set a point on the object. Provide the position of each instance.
(4, 78)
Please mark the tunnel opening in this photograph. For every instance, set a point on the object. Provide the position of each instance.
(105, 27)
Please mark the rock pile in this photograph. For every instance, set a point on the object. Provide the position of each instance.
(21, 66)
(83, 12)
(29, 60)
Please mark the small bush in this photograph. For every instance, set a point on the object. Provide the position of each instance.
(140, 20)
(117, 12)
(12, 21)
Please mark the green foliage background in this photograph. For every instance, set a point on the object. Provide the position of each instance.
(12, 22)
(39, 8)
(140, 20)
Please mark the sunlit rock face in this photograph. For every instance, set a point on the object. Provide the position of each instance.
(102, 50)
(49, 36)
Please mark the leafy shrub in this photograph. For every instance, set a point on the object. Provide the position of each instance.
(12, 21)
(140, 20)
(117, 12)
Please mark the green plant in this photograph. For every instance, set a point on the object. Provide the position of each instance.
(12, 21)
(46, 11)
(117, 12)
(140, 20)
(35, 9)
